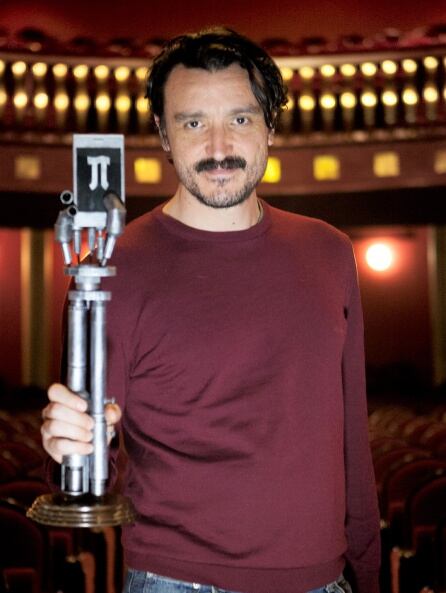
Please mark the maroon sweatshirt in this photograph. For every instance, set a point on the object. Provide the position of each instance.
(238, 360)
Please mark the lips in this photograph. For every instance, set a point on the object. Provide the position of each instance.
(220, 171)
(220, 176)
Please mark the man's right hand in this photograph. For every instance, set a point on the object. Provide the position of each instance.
(67, 427)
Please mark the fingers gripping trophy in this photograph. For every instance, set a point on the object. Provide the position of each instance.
(95, 209)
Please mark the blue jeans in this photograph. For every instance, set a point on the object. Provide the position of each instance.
(138, 581)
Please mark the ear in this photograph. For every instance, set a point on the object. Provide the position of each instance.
(162, 134)
(271, 133)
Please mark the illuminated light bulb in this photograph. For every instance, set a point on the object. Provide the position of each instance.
(147, 170)
(102, 102)
(287, 73)
(20, 100)
(326, 167)
(81, 105)
(80, 71)
(61, 101)
(368, 99)
(141, 105)
(348, 70)
(141, 73)
(2, 67)
(430, 63)
(3, 98)
(122, 73)
(143, 110)
(101, 72)
(18, 68)
(60, 70)
(328, 71)
(379, 257)
(306, 72)
(307, 102)
(39, 69)
(273, 171)
(410, 96)
(409, 66)
(386, 164)
(430, 93)
(389, 98)
(348, 100)
(431, 97)
(41, 100)
(290, 103)
(389, 67)
(410, 99)
(369, 69)
(287, 115)
(328, 104)
(348, 103)
(328, 101)
(81, 102)
(123, 103)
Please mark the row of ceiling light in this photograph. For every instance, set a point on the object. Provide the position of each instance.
(391, 91)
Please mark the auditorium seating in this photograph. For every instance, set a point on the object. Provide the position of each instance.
(409, 457)
(22, 551)
(38, 559)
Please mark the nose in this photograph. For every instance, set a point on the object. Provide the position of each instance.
(219, 143)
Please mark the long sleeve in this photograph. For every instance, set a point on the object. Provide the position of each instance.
(362, 516)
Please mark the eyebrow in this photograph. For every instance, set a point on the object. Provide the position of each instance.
(253, 109)
(186, 115)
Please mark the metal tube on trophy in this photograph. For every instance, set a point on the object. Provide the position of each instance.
(74, 470)
(99, 459)
(96, 208)
(77, 345)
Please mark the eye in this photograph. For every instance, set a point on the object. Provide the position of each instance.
(241, 120)
(193, 124)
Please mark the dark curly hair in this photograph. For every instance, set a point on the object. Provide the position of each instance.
(214, 49)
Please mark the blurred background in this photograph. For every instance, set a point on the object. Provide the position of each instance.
(361, 145)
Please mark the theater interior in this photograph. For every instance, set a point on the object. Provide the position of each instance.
(361, 145)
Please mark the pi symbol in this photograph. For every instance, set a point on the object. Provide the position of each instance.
(98, 164)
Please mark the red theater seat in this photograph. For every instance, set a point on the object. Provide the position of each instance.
(26, 458)
(414, 429)
(388, 462)
(22, 546)
(401, 485)
(8, 470)
(23, 492)
(385, 444)
(434, 437)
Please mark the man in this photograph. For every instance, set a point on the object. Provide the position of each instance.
(236, 355)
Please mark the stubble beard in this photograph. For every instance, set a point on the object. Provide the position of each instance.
(223, 197)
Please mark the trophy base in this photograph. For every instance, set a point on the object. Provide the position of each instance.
(62, 510)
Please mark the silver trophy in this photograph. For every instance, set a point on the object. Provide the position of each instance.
(94, 211)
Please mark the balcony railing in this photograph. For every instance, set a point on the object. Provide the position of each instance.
(398, 91)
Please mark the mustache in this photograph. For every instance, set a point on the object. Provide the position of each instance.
(229, 162)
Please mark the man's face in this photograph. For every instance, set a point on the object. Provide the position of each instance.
(216, 132)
